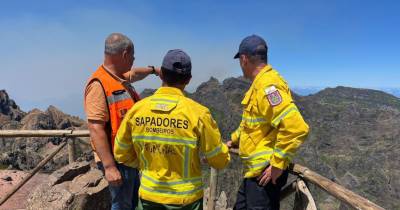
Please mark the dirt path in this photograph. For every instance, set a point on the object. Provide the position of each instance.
(18, 200)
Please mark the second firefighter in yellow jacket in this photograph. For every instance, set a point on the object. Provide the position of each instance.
(272, 127)
(163, 135)
(270, 132)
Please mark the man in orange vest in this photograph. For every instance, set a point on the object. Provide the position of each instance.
(108, 96)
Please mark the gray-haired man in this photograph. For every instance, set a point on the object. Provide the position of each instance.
(108, 96)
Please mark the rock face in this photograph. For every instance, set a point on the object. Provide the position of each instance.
(9, 110)
(18, 200)
(354, 139)
(26, 153)
(220, 203)
(75, 186)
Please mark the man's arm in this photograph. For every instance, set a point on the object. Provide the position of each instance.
(99, 138)
(124, 151)
(235, 137)
(277, 104)
(139, 73)
(216, 152)
(97, 115)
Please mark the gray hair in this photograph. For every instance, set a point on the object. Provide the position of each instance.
(116, 43)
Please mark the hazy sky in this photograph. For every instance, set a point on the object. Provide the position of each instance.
(48, 49)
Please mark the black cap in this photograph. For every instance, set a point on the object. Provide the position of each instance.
(177, 61)
(252, 45)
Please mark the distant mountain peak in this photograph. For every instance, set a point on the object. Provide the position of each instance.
(362, 96)
(11, 116)
(211, 83)
(8, 107)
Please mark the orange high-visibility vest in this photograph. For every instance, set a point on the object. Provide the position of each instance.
(120, 98)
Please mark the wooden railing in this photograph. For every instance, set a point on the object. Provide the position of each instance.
(70, 139)
(303, 196)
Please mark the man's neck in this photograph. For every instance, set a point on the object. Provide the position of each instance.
(257, 70)
(180, 87)
(113, 69)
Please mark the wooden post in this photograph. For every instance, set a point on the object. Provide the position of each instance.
(334, 189)
(303, 199)
(71, 150)
(288, 189)
(213, 189)
(298, 203)
(31, 174)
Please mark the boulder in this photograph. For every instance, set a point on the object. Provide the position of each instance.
(69, 172)
(90, 191)
(9, 110)
(75, 186)
(220, 204)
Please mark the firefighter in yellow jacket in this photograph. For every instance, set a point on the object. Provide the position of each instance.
(270, 132)
(163, 134)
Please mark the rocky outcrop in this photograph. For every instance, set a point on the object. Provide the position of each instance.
(75, 186)
(354, 138)
(9, 110)
(9, 179)
(221, 202)
(25, 153)
(64, 121)
(223, 100)
(69, 172)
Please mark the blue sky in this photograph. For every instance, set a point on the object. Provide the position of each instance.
(48, 49)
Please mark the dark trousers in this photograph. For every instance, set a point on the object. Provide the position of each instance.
(125, 196)
(252, 196)
(148, 205)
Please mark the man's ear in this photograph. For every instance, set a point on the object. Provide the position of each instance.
(125, 54)
(161, 75)
(244, 59)
(188, 80)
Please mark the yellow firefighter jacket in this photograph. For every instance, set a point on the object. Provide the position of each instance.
(163, 135)
(272, 127)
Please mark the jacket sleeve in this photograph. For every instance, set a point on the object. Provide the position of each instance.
(235, 136)
(123, 147)
(216, 152)
(277, 106)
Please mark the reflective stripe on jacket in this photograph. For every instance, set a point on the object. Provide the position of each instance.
(272, 127)
(163, 135)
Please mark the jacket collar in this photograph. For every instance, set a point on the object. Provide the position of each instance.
(264, 70)
(169, 91)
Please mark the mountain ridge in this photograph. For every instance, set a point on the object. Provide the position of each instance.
(353, 141)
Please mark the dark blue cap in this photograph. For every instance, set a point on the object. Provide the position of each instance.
(177, 61)
(252, 45)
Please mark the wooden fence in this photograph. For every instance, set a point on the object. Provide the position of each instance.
(303, 196)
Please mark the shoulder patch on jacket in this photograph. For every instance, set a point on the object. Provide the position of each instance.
(273, 96)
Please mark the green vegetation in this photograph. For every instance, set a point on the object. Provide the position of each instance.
(2, 167)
